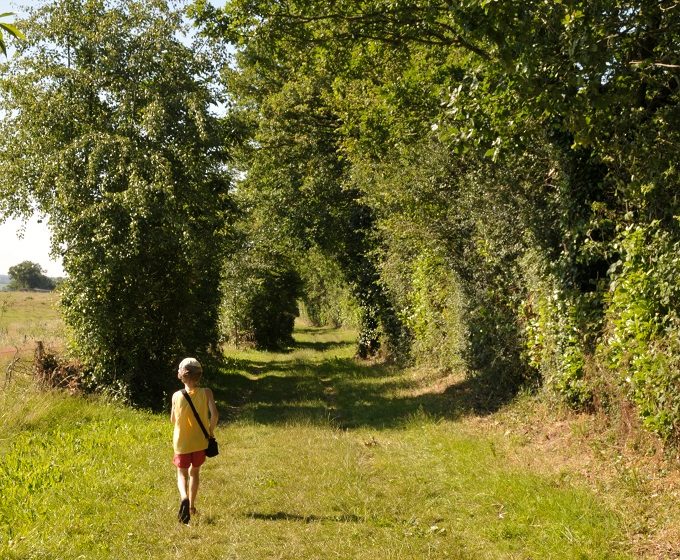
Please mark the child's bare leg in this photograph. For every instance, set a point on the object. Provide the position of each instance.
(194, 479)
(182, 482)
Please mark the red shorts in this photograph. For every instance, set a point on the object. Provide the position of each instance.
(185, 460)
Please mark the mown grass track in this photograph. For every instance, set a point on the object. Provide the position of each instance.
(321, 457)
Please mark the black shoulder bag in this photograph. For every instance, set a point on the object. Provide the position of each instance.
(211, 450)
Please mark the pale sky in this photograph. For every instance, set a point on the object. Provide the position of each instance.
(34, 247)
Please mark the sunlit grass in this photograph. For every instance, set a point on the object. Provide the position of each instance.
(25, 318)
(321, 457)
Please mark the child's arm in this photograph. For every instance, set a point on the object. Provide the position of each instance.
(172, 411)
(212, 408)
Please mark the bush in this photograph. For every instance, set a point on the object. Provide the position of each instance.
(553, 334)
(260, 296)
(436, 314)
(326, 299)
(143, 293)
(642, 343)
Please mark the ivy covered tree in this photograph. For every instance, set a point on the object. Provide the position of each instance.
(109, 130)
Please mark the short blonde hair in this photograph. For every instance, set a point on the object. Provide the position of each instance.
(193, 367)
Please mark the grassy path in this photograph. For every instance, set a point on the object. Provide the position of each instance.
(320, 458)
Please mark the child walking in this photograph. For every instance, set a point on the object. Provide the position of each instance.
(188, 440)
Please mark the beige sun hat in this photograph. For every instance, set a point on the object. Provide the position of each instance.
(192, 363)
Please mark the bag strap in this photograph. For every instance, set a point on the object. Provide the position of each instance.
(191, 404)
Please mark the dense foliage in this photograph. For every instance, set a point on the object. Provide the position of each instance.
(502, 174)
(326, 298)
(261, 289)
(108, 130)
(297, 188)
(482, 185)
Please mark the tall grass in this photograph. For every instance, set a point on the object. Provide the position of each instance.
(321, 457)
(25, 318)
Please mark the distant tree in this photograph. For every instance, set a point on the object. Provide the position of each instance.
(29, 276)
(261, 290)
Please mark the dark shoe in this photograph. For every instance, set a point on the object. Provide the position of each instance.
(183, 514)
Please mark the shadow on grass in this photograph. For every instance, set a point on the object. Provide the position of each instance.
(318, 345)
(344, 392)
(284, 516)
(314, 330)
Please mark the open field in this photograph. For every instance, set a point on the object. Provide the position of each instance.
(25, 318)
(324, 457)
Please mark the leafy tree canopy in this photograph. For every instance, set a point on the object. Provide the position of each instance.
(485, 167)
(110, 131)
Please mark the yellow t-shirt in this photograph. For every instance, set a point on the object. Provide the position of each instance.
(188, 436)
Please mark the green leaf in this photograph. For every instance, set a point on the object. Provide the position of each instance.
(13, 30)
